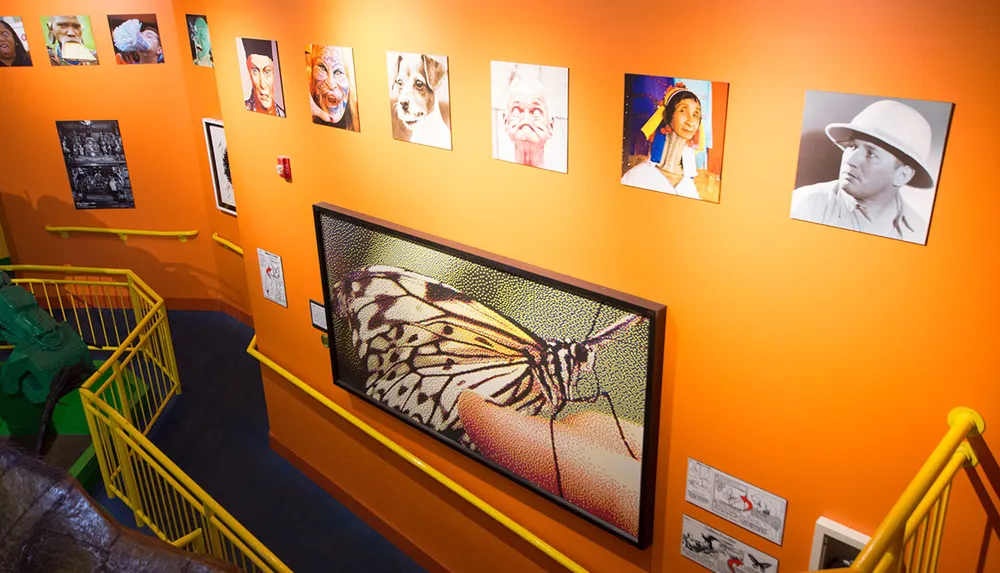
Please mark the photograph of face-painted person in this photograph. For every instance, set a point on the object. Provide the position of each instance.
(70, 40)
(529, 112)
(673, 137)
(136, 38)
(261, 76)
(870, 164)
(333, 93)
(13, 43)
(201, 42)
(95, 163)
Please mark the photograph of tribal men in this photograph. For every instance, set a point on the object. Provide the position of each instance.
(199, 40)
(673, 137)
(13, 43)
(70, 40)
(870, 164)
(419, 105)
(529, 113)
(333, 93)
(95, 163)
(136, 38)
(261, 76)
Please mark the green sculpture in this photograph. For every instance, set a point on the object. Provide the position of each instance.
(49, 359)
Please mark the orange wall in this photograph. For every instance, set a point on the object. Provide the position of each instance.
(791, 348)
(158, 108)
(816, 363)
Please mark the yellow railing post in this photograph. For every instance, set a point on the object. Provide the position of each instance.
(116, 373)
(128, 475)
(87, 398)
(964, 422)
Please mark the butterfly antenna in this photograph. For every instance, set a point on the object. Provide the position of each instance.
(593, 324)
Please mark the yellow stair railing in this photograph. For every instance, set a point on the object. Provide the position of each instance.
(123, 234)
(909, 538)
(228, 244)
(113, 310)
(402, 452)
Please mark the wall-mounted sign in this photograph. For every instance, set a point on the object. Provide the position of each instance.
(736, 501)
(721, 553)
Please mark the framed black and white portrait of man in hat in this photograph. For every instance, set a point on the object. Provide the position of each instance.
(870, 164)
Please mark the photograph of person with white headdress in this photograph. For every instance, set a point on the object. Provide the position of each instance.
(870, 164)
(673, 135)
(530, 118)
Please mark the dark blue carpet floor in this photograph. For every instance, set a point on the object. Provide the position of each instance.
(217, 432)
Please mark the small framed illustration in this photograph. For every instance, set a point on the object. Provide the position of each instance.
(546, 379)
(218, 161)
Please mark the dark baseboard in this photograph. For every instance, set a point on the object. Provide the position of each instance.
(210, 304)
(377, 523)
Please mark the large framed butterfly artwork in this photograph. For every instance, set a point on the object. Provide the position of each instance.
(549, 380)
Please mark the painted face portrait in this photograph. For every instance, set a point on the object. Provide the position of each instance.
(261, 70)
(261, 76)
(330, 86)
(201, 41)
(529, 108)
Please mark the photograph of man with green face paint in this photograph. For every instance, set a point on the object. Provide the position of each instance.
(201, 43)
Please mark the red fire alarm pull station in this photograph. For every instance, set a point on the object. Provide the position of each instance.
(284, 167)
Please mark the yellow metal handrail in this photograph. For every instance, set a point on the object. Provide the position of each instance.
(436, 475)
(228, 244)
(113, 310)
(918, 515)
(122, 233)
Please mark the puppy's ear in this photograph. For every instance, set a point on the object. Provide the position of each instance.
(434, 71)
(399, 62)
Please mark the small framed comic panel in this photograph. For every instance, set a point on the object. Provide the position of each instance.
(548, 380)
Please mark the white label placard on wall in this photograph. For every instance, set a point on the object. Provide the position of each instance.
(272, 277)
(735, 500)
(720, 553)
(318, 315)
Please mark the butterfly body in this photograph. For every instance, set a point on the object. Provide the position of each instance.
(422, 342)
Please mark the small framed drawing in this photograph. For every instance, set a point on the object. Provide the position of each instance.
(546, 379)
(218, 161)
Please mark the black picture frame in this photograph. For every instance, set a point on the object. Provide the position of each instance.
(218, 158)
(339, 230)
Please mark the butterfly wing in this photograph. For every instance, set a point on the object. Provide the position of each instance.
(423, 342)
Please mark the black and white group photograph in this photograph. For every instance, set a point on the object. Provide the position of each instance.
(870, 164)
(95, 163)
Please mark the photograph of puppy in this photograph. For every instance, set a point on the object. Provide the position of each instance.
(418, 98)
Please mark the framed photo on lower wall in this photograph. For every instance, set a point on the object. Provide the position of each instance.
(546, 379)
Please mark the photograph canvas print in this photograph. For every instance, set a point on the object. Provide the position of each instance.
(200, 40)
(70, 40)
(673, 139)
(333, 92)
(261, 76)
(136, 38)
(218, 160)
(870, 163)
(530, 114)
(419, 103)
(95, 163)
(546, 379)
(13, 43)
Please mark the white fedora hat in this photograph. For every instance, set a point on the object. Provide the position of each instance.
(902, 129)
